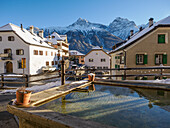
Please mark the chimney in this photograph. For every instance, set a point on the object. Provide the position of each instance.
(32, 29)
(101, 47)
(150, 22)
(131, 32)
(140, 29)
(21, 27)
(41, 33)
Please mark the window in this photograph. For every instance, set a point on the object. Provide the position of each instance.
(160, 59)
(19, 52)
(56, 62)
(51, 53)
(103, 60)
(19, 64)
(90, 60)
(122, 60)
(105, 67)
(52, 62)
(10, 38)
(141, 59)
(35, 52)
(99, 67)
(7, 51)
(82, 61)
(161, 38)
(47, 63)
(46, 53)
(40, 52)
(53, 37)
(117, 57)
(117, 66)
(0, 38)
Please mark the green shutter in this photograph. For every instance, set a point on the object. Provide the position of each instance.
(118, 67)
(164, 58)
(118, 57)
(115, 65)
(161, 38)
(145, 59)
(115, 57)
(136, 59)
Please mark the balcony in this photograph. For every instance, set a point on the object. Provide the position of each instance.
(6, 56)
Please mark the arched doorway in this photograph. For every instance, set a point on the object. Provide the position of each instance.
(9, 67)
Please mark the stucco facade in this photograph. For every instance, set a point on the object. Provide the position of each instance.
(34, 62)
(97, 58)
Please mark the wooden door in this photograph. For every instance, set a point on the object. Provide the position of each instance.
(9, 67)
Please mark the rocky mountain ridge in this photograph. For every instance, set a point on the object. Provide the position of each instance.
(84, 35)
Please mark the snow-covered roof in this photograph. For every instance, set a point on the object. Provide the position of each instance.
(63, 37)
(26, 35)
(163, 22)
(75, 52)
(97, 47)
(56, 36)
(53, 41)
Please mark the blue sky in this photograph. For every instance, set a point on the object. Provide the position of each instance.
(45, 13)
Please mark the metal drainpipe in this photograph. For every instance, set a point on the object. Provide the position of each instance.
(125, 64)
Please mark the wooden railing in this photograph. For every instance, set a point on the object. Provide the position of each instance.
(159, 73)
(25, 79)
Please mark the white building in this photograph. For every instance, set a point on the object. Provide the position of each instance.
(97, 58)
(59, 42)
(17, 43)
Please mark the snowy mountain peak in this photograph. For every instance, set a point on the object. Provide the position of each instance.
(81, 22)
(84, 35)
(119, 20)
(121, 27)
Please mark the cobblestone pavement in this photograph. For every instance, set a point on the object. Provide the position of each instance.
(7, 120)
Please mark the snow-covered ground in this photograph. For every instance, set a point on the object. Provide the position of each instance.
(37, 88)
(11, 75)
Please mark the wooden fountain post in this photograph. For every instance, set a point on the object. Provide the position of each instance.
(62, 72)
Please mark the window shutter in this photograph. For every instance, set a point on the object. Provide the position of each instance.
(164, 58)
(161, 38)
(145, 59)
(155, 59)
(115, 65)
(136, 59)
